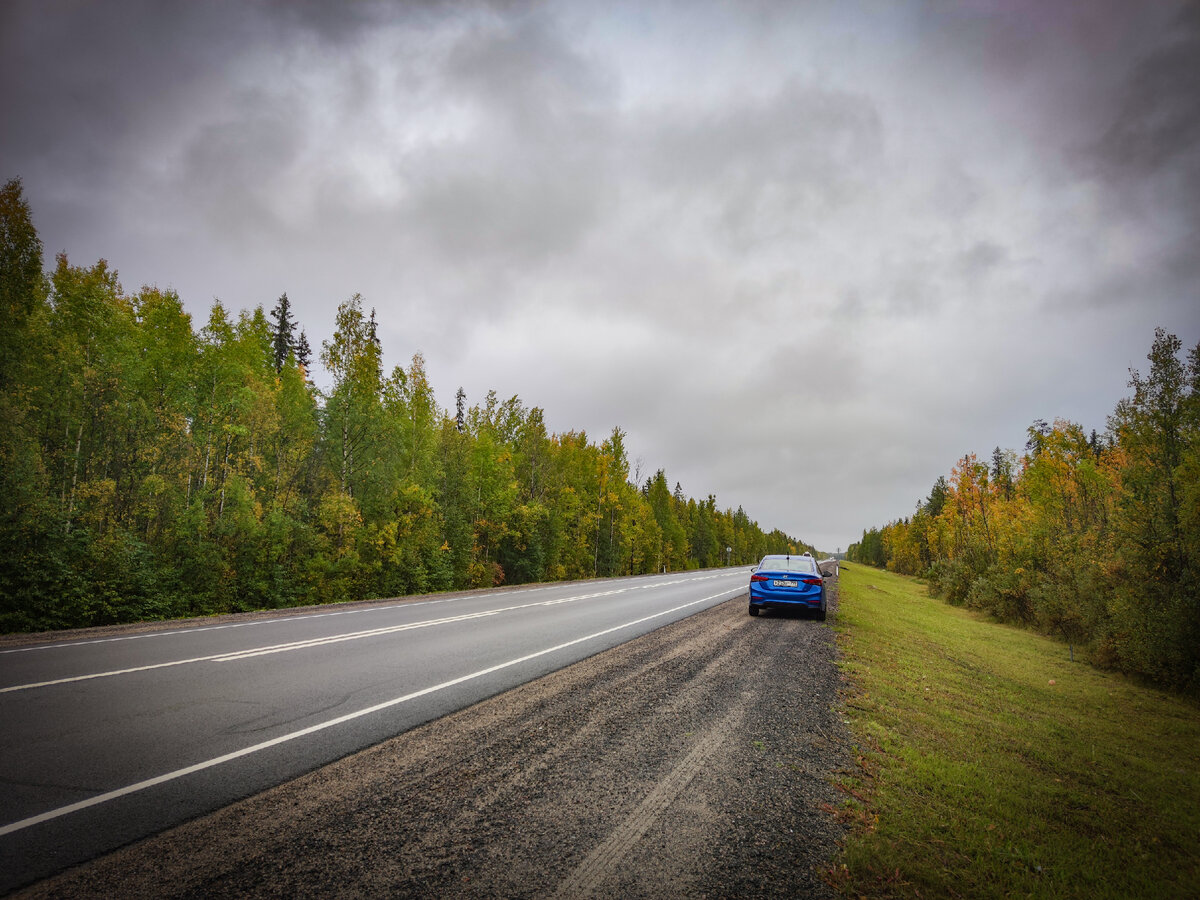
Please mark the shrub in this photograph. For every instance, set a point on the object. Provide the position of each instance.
(951, 580)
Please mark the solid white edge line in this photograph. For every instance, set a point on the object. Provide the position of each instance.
(312, 729)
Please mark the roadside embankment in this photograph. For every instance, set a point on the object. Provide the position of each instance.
(997, 767)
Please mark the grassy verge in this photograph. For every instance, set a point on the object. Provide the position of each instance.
(991, 766)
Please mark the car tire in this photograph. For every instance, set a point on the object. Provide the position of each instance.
(754, 610)
(820, 615)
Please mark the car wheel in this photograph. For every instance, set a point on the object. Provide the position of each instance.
(820, 615)
(754, 610)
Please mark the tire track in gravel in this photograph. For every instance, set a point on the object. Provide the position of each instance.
(586, 879)
(692, 761)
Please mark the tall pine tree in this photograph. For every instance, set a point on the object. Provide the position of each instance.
(283, 342)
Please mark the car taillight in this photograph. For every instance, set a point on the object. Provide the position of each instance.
(758, 577)
(812, 580)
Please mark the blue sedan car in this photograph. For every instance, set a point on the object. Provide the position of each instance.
(787, 582)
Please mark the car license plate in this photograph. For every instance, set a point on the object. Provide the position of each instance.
(781, 583)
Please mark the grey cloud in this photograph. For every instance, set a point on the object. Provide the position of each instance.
(982, 258)
(334, 23)
(476, 218)
(955, 194)
(526, 77)
(827, 370)
(76, 112)
(1146, 156)
(1158, 121)
(530, 178)
(912, 292)
(768, 168)
(231, 164)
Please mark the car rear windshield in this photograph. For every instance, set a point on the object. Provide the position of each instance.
(786, 564)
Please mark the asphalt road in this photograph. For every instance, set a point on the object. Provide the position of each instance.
(106, 740)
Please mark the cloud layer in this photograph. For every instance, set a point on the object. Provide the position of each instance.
(805, 254)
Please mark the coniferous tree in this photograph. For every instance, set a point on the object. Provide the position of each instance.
(373, 330)
(283, 341)
(937, 496)
(1002, 471)
(303, 352)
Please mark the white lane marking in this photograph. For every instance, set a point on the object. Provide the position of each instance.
(235, 655)
(342, 612)
(340, 720)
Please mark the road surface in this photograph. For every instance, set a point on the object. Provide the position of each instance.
(694, 761)
(109, 739)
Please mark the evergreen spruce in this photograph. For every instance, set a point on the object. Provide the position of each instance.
(283, 342)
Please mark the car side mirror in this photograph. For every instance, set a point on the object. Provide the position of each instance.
(754, 568)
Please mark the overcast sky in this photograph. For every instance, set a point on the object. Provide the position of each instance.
(806, 254)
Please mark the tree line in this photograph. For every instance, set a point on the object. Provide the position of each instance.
(152, 470)
(1093, 537)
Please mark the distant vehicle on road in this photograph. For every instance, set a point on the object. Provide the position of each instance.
(787, 582)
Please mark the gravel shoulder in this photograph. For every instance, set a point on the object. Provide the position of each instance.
(694, 761)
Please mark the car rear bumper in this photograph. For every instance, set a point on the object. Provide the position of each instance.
(778, 603)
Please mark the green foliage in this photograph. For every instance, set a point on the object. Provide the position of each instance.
(1096, 540)
(151, 470)
(990, 765)
(22, 284)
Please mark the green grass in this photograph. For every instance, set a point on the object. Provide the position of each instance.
(990, 765)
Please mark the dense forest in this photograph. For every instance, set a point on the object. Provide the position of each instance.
(152, 470)
(1093, 537)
